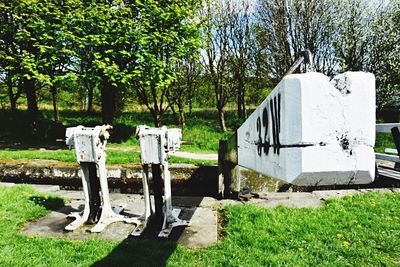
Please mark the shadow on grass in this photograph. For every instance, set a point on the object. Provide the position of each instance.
(148, 249)
(121, 133)
(49, 202)
(132, 252)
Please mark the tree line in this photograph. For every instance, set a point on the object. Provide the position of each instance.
(166, 55)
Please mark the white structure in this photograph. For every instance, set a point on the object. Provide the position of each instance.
(313, 131)
(155, 144)
(90, 145)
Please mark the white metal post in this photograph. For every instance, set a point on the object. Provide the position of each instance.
(90, 145)
(148, 210)
(155, 144)
(81, 217)
(171, 219)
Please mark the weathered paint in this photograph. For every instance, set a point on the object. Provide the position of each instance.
(313, 131)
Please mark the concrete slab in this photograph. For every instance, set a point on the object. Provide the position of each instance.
(201, 211)
(273, 200)
(378, 190)
(327, 194)
(54, 224)
(201, 233)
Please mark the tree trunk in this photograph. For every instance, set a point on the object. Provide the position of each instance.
(239, 103)
(241, 107)
(243, 100)
(90, 98)
(190, 104)
(244, 109)
(156, 118)
(13, 99)
(221, 118)
(182, 118)
(53, 90)
(30, 91)
(107, 103)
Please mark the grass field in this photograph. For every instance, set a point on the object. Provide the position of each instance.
(113, 156)
(202, 129)
(119, 154)
(383, 140)
(359, 230)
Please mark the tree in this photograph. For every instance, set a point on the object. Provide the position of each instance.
(169, 34)
(20, 52)
(285, 28)
(242, 48)
(56, 48)
(33, 51)
(353, 34)
(106, 35)
(383, 55)
(183, 88)
(215, 59)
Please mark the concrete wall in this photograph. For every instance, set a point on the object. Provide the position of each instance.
(187, 179)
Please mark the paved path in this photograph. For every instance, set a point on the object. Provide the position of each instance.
(199, 156)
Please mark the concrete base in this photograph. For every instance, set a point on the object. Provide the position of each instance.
(201, 211)
(201, 233)
(187, 179)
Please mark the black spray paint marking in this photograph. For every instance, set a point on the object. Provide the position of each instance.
(273, 117)
(266, 139)
(263, 142)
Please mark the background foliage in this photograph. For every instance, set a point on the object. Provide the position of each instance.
(172, 56)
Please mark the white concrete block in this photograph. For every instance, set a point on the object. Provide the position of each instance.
(311, 130)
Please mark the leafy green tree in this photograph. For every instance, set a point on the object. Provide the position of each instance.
(33, 50)
(169, 33)
(106, 36)
(182, 90)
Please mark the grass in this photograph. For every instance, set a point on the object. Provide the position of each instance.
(202, 129)
(113, 156)
(383, 140)
(119, 154)
(358, 230)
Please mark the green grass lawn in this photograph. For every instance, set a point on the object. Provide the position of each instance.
(113, 156)
(360, 230)
(202, 129)
(383, 140)
(128, 153)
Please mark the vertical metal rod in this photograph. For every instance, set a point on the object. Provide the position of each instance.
(167, 190)
(158, 190)
(104, 187)
(148, 211)
(396, 139)
(94, 199)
